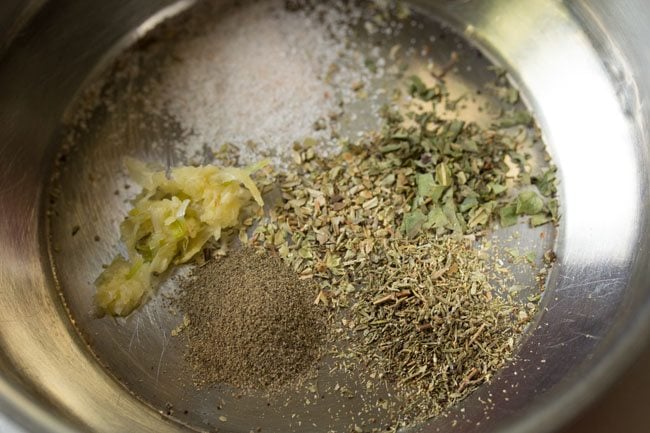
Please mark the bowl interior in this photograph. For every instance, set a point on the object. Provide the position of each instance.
(109, 375)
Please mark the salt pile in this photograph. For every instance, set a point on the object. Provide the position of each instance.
(260, 77)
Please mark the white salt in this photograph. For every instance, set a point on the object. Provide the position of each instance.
(256, 73)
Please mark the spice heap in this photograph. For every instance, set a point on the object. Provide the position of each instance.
(252, 322)
(387, 230)
(431, 324)
(252, 75)
(440, 177)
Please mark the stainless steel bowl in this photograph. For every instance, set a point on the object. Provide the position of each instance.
(581, 65)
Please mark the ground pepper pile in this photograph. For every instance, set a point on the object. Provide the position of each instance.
(253, 324)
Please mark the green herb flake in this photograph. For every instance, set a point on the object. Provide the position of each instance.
(467, 204)
(389, 148)
(531, 257)
(546, 182)
(496, 188)
(553, 208)
(479, 216)
(455, 128)
(511, 95)
(539, 219)
(529, 203)
(427, 187)
(470, 146)
(508, 215)
(456, 221)
(437, 219)
(417, 88)
(443, 174)
(515, 118)
(413, 222)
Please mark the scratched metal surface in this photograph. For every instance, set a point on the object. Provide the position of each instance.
(595, 307)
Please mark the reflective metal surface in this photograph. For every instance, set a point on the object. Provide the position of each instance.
(581, 71)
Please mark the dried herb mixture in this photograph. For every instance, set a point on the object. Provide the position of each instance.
(388, 229)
